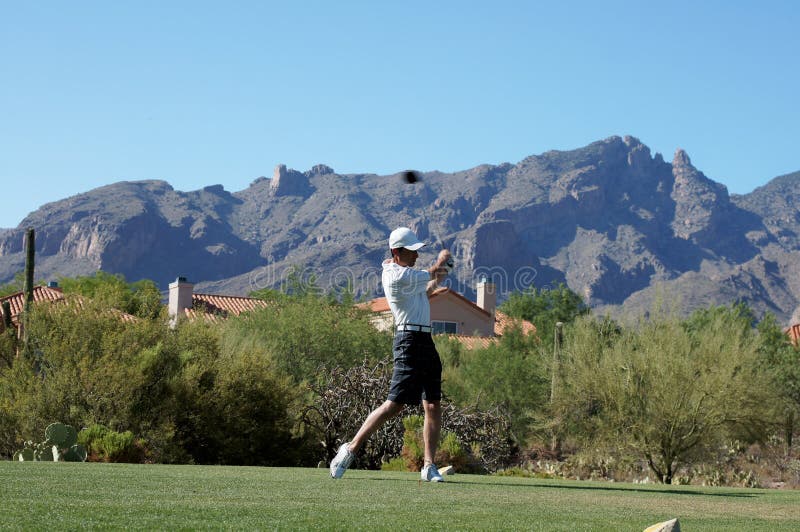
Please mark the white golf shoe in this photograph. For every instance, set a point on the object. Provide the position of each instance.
(341, 461)
(431, 474)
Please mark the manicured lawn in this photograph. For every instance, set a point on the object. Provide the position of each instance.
(42, 495)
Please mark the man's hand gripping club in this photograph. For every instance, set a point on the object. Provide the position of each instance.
(440, 269)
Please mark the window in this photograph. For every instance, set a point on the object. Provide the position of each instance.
(444, 327)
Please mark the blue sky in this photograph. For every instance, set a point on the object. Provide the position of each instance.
(200, 93)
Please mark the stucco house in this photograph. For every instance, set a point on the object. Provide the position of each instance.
(474, 324)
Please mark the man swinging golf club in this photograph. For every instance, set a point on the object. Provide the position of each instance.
(417, 368)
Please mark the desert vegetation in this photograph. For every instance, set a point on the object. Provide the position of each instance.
(712, 398)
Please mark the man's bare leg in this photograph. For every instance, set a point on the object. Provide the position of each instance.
(431, 429)
(374, 421)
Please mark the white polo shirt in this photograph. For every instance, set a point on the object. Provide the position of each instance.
(405, 290)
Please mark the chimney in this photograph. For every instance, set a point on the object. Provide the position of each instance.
(487, 295)
(180, 298)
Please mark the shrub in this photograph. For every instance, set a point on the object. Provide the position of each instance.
(452, 452)
(141, 298)
(106, 445)
(395, 464)
(237, 408)
(665, 392)
(449, 452)
(301, 334)
(344, 398)
(511, 374)
(413, 451)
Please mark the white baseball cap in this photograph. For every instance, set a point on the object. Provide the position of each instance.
(403, 237)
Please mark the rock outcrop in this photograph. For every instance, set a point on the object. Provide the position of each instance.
(287, 182)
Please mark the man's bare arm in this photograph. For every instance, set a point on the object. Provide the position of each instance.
(438, 271)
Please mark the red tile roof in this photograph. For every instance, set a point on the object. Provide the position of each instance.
(227, 304)
(52, 295)
(212, 307)
(473, 342)
(503, 321)
(379, 304)
(40, 293)
(208, 317)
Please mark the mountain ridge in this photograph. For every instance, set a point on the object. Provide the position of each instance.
(615, 222)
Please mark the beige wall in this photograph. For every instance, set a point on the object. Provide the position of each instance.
(383, 321)
(470, 320)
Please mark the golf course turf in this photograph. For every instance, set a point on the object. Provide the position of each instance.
(41, 495)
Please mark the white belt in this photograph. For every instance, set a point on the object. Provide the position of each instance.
(413, 327)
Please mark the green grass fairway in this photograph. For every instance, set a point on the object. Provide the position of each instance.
(40, 495)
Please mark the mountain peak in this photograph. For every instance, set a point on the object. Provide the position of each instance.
(681, 159)
(289, 182)
(631, 142)
(320, 169)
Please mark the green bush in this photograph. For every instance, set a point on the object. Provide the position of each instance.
(449, 452)
(142, 298)
(8, 347)
(235, 407)
(89, 366)
(395, 464)
(302, 334)
(511, 374)
(106, 445)
(233, 393)
(413, 452)
(452, 452)
(666, 392)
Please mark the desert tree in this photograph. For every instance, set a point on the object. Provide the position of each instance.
(141, 298)
(781, 359)
(666, 392)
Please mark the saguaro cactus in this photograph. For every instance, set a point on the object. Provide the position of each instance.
(30, 252)
(7, 315)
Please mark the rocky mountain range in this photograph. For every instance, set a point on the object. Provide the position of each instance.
(617, 224)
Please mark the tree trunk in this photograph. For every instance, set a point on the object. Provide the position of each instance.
(654, 468)
(668, 475)
(664, 474)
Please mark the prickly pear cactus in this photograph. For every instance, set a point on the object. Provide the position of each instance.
(56, 433)
(80, 450)
(62, 436)
(72, 436)
(60, 444)
(76, 453)
(43, 452)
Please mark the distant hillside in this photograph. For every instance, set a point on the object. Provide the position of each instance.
(616, 223)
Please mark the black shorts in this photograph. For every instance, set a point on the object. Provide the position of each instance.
(417, 369)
